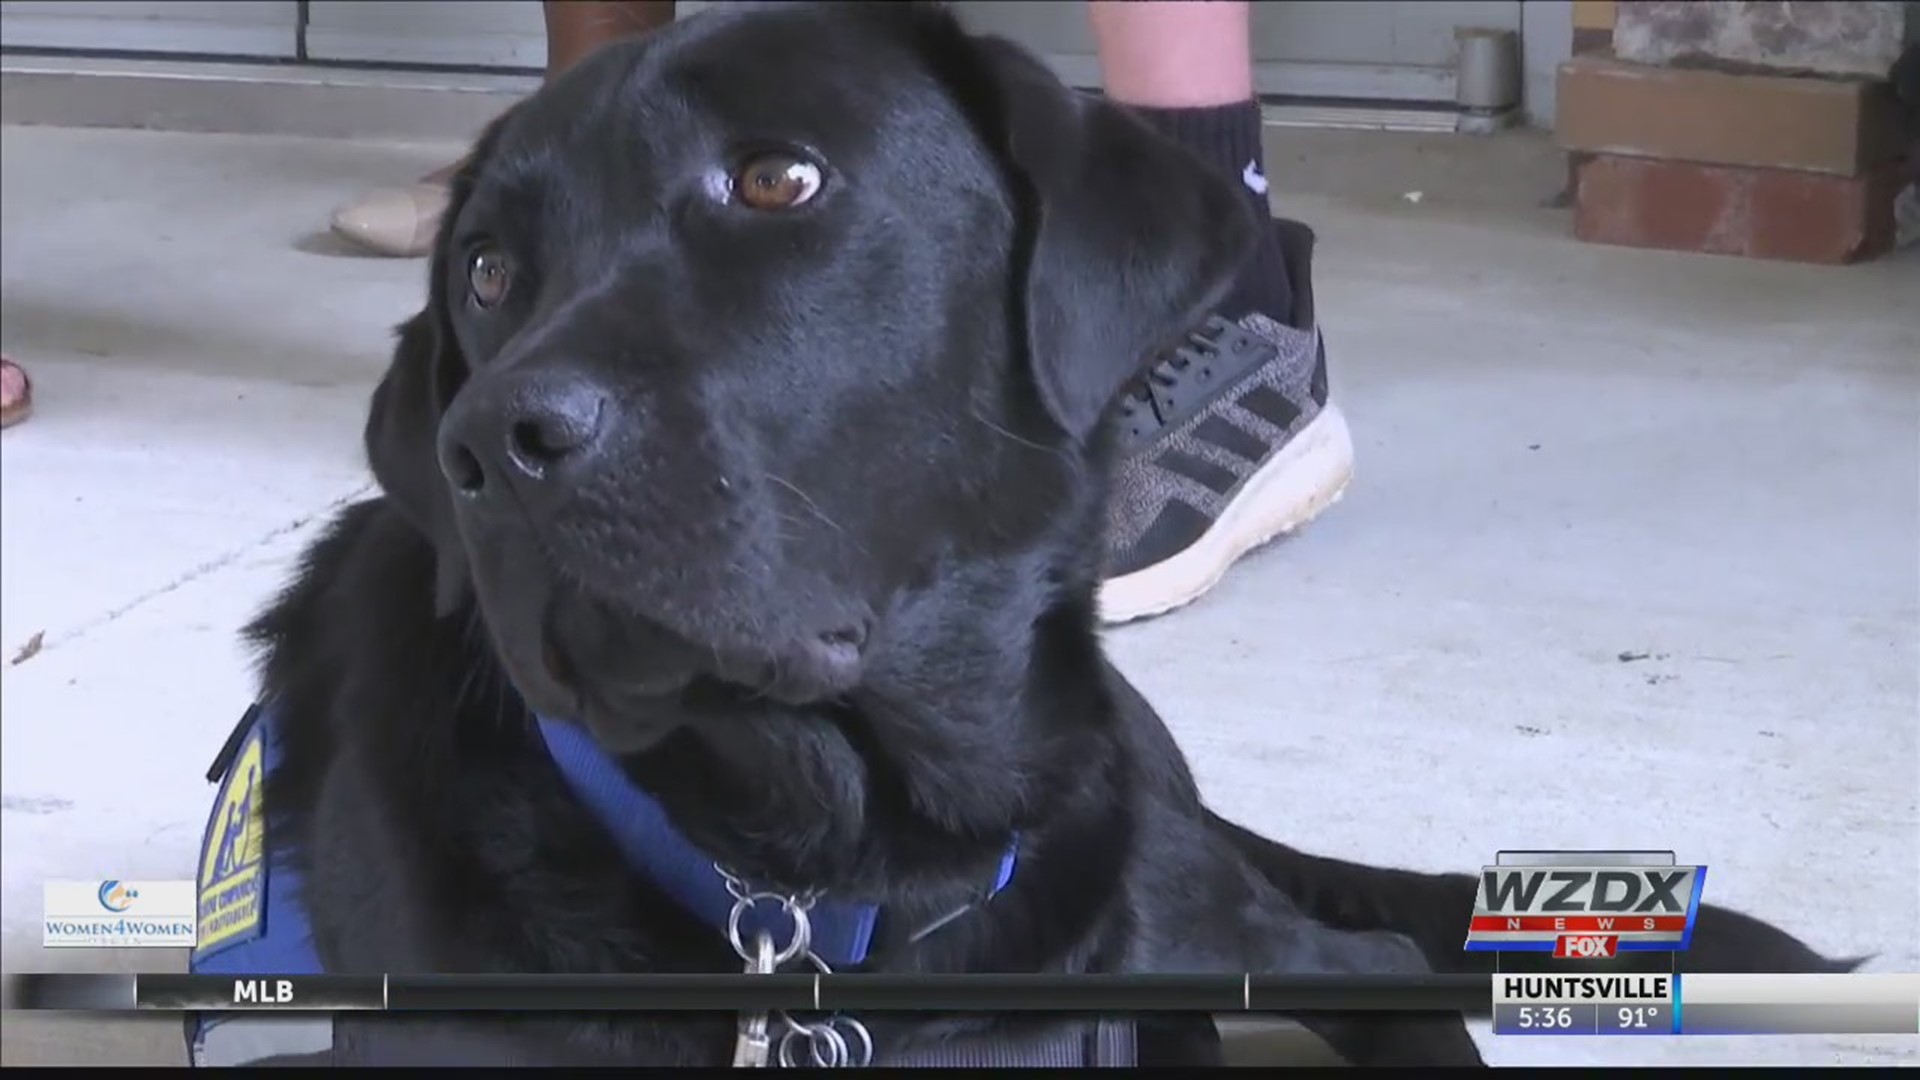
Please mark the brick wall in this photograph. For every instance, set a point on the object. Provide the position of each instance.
(1764, 130)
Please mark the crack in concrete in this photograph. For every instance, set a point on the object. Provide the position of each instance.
(34, 804)
(213, 565)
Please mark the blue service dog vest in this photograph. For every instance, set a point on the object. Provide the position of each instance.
(252, 922)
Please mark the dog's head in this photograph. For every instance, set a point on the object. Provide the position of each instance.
(737, 334)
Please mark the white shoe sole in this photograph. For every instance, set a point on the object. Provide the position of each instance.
(1308, 475)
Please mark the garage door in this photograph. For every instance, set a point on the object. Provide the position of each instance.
(1366, 50)
(1369, 50)
(267, 28)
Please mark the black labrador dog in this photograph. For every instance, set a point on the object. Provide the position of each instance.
(754, 428)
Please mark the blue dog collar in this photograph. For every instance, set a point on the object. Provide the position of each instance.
(840, 933)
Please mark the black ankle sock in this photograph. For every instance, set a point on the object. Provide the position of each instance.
(1227, 137)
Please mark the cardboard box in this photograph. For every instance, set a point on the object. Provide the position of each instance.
(1844, 127)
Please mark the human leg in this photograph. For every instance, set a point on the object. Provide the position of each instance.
(1230, 440)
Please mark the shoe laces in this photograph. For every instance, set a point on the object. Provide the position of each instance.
(1140, 406)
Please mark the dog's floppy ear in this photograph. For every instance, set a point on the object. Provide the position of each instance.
(404, 422)
(401, 427)
(1130, 238)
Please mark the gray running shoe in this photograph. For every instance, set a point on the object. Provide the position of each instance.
(1226, 443)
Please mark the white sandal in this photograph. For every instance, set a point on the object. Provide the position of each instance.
(399, 222)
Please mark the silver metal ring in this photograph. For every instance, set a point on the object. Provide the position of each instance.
(782, 1052)
(802, 928)
(838, 1054)
(827, 1033)
(866, 1039)
(818, 1036)
(739, 888)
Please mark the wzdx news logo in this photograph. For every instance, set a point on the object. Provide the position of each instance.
(1585, 905)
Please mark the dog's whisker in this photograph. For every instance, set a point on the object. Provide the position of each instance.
(810, 504)
(1029, 443)
(789, 537)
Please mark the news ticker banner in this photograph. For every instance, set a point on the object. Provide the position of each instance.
(1706, 1004)
(1519, 1004)
(755, 993)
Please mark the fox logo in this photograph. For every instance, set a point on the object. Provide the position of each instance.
(1586, 946)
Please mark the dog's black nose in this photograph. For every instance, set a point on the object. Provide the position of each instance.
(526, 432)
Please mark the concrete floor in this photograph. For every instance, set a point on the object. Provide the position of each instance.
(1566, 453)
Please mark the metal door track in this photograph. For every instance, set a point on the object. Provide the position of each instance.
(1388, 117)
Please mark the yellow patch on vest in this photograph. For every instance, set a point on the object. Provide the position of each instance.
(232, 872)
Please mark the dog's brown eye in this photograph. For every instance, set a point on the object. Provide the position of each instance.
(776, 182)
(488, 275)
